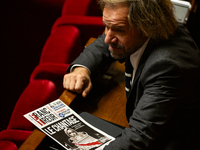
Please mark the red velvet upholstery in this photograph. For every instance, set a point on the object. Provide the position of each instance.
(81, 8)
(89, 26)
(84, 14)
(36, 94)
(62, 46)
(7, 145)
(51, 71)
(15, 136)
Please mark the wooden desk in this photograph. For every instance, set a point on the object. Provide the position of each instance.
(110, 107)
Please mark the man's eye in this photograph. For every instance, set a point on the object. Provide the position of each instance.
(120, 30)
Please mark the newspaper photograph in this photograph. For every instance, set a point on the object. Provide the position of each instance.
(65, 126)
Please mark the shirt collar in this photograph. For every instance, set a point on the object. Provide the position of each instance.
(135, 57)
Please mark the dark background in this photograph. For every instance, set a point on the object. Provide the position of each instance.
(24, 28)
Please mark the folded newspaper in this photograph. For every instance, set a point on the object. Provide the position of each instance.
(66, 127)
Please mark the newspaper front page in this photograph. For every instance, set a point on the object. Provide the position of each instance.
(66, 127)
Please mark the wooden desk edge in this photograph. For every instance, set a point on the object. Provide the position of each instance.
(36, 137)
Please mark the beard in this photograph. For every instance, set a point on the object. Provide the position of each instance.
(120, 53)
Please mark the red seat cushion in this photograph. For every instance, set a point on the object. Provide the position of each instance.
(51, 71)
(62, 46)
(81, 7)
(88, 26)
(15, 136)
(7, 145)
(35, 95)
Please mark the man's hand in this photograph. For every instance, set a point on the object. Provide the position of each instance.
(78, 81)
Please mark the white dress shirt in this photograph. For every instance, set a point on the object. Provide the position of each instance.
(135, 58)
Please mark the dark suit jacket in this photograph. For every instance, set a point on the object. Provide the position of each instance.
(163, 107)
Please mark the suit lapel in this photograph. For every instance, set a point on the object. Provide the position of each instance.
(143, 59)
(131, 100)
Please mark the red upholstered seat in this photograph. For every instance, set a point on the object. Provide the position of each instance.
(15, 136)
(51, 71)
(84, 14)
(7, 145)
(89, 26)
(68, 35)
(35, 95)
(62, 46)
(81, 8)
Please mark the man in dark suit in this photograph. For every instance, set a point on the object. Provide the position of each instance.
(162, 74)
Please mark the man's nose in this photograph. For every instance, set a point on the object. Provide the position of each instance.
(110, 37)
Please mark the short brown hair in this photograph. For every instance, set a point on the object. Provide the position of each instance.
(154, 18)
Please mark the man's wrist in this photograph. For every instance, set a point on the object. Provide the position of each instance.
(78, 67)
